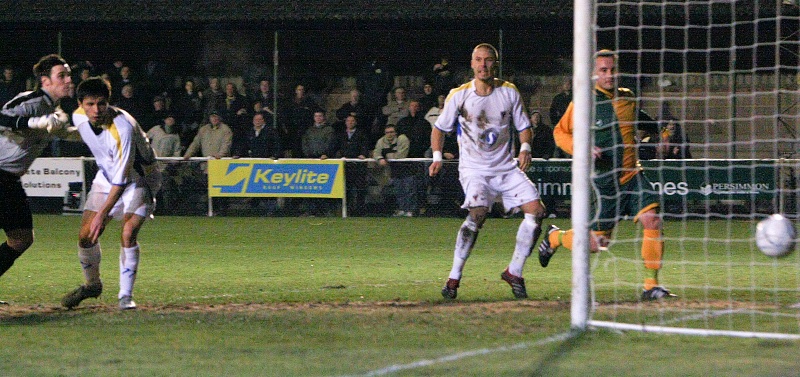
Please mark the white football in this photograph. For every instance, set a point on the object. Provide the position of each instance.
(775, 236)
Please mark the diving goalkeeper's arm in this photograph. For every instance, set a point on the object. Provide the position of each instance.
(50, 122)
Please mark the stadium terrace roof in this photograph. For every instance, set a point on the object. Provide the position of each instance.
(287, 12)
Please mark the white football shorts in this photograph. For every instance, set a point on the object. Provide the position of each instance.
(135, 199)
(513, 187)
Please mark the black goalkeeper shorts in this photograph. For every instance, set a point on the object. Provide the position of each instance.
(15, 211)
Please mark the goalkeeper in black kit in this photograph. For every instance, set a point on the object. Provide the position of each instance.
(27, 124)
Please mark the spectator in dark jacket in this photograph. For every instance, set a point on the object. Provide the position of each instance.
(542, 145)
(318, 140)
(416, 129)
(353, 143)
(364, 115)
(261, 141)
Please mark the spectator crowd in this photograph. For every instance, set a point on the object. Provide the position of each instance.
(199, 111)
(219, 117)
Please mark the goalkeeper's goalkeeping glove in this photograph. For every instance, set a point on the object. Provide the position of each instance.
(50, 122)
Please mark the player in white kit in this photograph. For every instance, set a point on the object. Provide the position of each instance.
(484, 112)
(123, 188)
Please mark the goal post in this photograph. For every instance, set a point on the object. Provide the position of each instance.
(722, 81)
(583, 48)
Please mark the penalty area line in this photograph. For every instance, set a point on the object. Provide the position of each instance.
(466, 354)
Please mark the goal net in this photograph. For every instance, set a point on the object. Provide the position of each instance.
(720, 79)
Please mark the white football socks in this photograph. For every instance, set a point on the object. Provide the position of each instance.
(465, 240)
(90, 263)
(525, 240)
(128, 264)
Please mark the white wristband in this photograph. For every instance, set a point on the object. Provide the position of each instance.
(525, 147)
(437, 156)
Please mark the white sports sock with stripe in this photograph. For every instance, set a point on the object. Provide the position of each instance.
(90, 263)
(128, 264)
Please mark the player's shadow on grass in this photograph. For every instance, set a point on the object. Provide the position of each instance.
(561, 352)
(37, 318)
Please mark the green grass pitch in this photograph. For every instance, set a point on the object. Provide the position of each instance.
(360, 296)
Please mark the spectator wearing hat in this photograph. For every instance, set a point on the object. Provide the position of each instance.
(428, 98)
(154, 114)
(212, 140)
(164, 138)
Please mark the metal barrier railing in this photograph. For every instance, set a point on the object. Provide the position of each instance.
(687, 187)
(371, 190)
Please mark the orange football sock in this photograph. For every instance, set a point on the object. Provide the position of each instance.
(561, 238)
(652, 253)
(649, 283)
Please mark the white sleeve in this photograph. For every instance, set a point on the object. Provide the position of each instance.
(449, 115)
(521, 120)
(123, 161)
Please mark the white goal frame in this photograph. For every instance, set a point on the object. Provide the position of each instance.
(584, 40)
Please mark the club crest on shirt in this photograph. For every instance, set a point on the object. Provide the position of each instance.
(488, 138)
